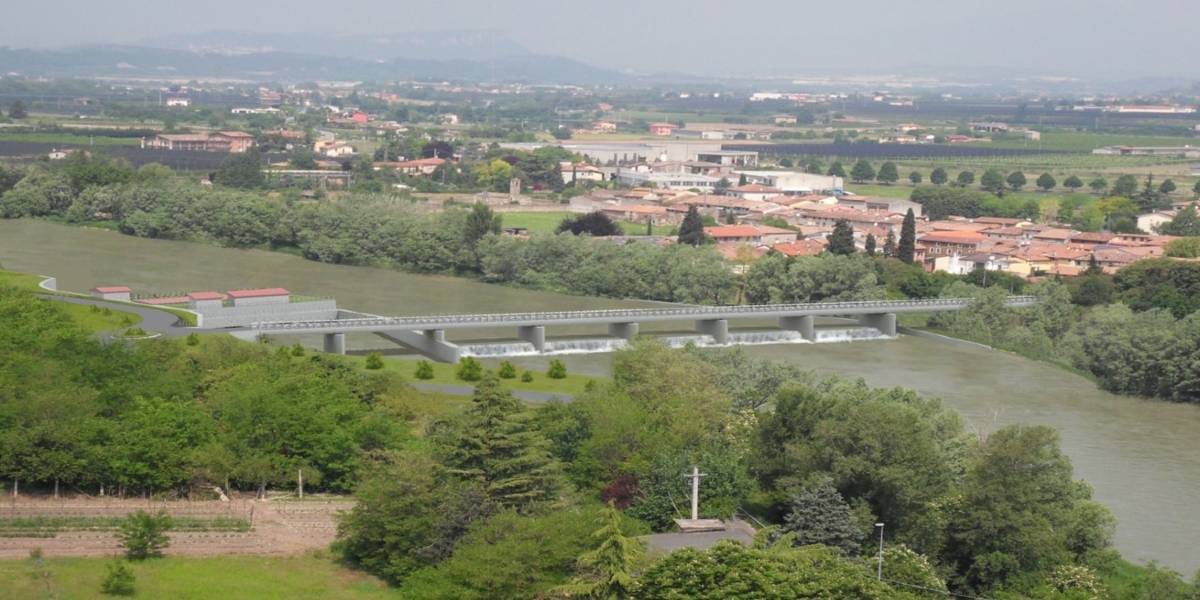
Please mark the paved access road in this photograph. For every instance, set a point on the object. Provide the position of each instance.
(153, 320)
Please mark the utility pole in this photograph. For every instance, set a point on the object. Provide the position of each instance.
(879, 572)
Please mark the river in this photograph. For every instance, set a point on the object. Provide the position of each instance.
(1141, 456)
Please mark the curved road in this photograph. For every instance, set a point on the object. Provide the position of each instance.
(157, 321)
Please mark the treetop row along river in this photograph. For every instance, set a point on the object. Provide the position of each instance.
(1142, 456)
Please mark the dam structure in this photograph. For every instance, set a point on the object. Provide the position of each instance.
(427, 334)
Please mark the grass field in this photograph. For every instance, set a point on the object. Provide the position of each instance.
(445, 374)
(66, 138)
(186, 578)
(1078, 141)
(535, 222)
(96, 320)
(92, 321)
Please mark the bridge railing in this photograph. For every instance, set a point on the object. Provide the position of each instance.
(634, 314)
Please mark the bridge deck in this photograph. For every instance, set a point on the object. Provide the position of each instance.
(633, 315)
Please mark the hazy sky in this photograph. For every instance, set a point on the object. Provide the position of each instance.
(1096, 38)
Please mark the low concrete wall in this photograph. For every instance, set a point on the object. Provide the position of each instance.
(237, 316)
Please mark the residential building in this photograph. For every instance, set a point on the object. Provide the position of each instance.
(423, 166)
(946, 243)
(805, 247)
(604, 127)
(639, 213)
(751, 234)
(753, 191)
(784, 119)
(580, 172)
(178, 102)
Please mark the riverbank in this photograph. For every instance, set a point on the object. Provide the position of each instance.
(1141, 456)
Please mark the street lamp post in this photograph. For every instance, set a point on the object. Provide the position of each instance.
(879, 572)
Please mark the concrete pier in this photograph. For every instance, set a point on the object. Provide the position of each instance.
(884, 322)
(802, 324)
(534, 334)
(431, 343)
(335, 343)
(626, 331)
(717, 328)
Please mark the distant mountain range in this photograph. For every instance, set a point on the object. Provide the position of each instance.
(452, 56)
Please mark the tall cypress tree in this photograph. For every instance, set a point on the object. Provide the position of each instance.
(841, 241)
(889, 243)
(908, 238)
(495, 444)
(691, 231)
(869, 245)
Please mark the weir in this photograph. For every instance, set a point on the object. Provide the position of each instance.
(796, 322)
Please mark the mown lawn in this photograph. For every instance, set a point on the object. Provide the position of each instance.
(193, 578)
(445, 374)
(535, 222)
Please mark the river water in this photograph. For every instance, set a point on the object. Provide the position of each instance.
(1142, 456)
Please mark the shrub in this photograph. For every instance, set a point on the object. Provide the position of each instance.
(119, 580)
(527, 376)
(193, 339)
(424, 370)
(144, 535)
(134, 332)
(469, 369)
(297, 350)
(557, 369)
(507, 370)
(374, 361)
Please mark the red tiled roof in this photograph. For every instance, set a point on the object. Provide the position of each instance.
(800, 248)
(260, 293)
(953, 237)
(115, 289)
(727, 231)
(206, 296)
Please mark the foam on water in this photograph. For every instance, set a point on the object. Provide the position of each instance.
(596, 345)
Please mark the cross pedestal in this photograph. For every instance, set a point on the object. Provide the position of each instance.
(696, 523)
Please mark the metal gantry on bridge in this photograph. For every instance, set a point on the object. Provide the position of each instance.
(426, 334)
(638, 315)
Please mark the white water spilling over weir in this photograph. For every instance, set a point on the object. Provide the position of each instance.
(740, 338)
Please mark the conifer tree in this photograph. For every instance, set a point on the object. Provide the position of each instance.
(889, 243)
(819, 515)
(607, 571)
(908, 238)
(841, 241)
(691, 231)
(869, 244)
(495, 444)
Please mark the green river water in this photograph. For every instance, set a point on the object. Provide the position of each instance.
(1142, 456)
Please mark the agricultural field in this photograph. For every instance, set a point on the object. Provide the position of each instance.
(67, 139)
(1078, 141)
(194, 578)
(535, 222)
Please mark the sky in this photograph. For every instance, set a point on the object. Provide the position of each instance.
(1085, 38)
